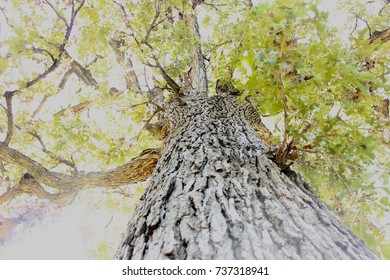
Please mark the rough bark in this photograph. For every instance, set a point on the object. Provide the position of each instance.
(215, 195)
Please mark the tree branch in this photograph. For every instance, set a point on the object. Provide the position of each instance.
(44, 74)
(122, 57)
(154, 20)
(366, 22)
(51, 154)
(57, 13)
(76, 108)
(57, 60)
(175, 87)
(8, 98)
(28, 185)
(42, 51)
(83, 74)
(136, 170)
(125, 15)
(39, 108)
(198, 75)
(6, 18)
(65, 78)
(383, 35)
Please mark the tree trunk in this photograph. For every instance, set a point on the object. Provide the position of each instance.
(215, 195)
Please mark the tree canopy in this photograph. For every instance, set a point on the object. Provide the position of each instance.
(77, 78)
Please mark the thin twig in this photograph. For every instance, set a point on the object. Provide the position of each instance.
(341, 179)
(51, 154)
(125, 15)
(146, 123)
(56, 61)
(354, 218)
(39, 50)
(218, 45)
(365, 21)
(214, 6)
(153, 23)
(38, 109)
(57, 13)
(6, 18)
(353, 30)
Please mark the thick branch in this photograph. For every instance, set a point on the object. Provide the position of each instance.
(122, 57)
(381, 35)
(65, 78)
(136, 170)
(28, 185)
(10, 117)
(160, 130)
(198, 75)
(83, 74)
(175, 87)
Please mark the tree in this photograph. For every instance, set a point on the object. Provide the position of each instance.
(222, 184)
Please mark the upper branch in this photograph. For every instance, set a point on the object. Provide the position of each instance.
(6, 17)
(198, 75)
(124, 59)
(8, 97)
(61, 17)
(56, 61)
(175, 87)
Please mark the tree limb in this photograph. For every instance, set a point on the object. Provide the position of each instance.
(136, 170)
(83, 74)
(8, 98)
(40, 106)
(28, 185)
(131, 77)
(198, 75)
(154, 20)
(383, 35)
(160, 130)
(65, 78)
(76, 108)
(175, 87)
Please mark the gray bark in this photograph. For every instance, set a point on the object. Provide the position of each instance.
(215, 195)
